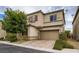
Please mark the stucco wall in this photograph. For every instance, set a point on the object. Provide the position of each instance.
(33, 33)
(76, 20)
(0, 25)
(76, 27)
(58, 14)
(2, 32)
(39, 21)
(44, 20)
(60, 28)
(53, 23)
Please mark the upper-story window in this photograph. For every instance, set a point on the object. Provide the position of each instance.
(33, 18)
(36, 17)
(53, 18)
(30, 19)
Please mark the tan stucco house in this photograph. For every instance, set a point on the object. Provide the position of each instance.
(76, 25)
(46, 26)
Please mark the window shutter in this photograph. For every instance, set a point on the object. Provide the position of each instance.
(31, 19)
(36, 17)
(54, 18)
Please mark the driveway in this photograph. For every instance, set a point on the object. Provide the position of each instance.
(5, 48)
(48, 44)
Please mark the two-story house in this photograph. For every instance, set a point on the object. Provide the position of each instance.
(46, 26)
(76, 25)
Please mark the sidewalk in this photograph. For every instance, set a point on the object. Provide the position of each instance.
(43, 49)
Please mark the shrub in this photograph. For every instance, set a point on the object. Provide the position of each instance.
(67, 33)
(2, 39)
(60, 44)
(63, 36)
(11, 37)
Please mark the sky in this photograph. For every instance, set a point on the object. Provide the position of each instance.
(68, 10)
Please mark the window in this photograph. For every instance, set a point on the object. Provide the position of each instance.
(53, 18)
(30, 19)
(33, 18)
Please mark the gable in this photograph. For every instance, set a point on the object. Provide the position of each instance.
(59, 16)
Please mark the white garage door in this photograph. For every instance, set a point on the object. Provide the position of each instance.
(49, 35)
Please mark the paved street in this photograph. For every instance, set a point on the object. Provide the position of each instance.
(5, 48)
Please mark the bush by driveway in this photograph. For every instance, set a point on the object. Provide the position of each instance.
(60, 44)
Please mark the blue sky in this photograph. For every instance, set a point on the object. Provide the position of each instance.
(69, 11)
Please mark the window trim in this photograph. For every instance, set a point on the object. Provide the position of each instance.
(53, 19)
(51, 22)
(32, 18)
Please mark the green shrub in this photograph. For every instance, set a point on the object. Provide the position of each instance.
(67, 33)
(60, 44)
(11, 37)
(63, 36)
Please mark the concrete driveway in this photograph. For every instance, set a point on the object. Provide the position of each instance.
(40, 43)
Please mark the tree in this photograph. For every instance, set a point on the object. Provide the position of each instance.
(15, 21)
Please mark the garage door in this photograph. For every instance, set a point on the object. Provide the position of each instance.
(49, 35)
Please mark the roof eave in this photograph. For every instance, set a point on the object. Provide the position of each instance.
(35, 12)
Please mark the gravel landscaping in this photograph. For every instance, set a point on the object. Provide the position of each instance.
(74, 43)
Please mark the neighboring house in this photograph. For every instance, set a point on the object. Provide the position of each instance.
(76, 25)
(2, 32)
(45, 25)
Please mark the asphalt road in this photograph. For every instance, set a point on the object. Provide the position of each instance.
(5, 48)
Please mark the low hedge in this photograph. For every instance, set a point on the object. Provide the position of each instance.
(11, 37)
(60, 44)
